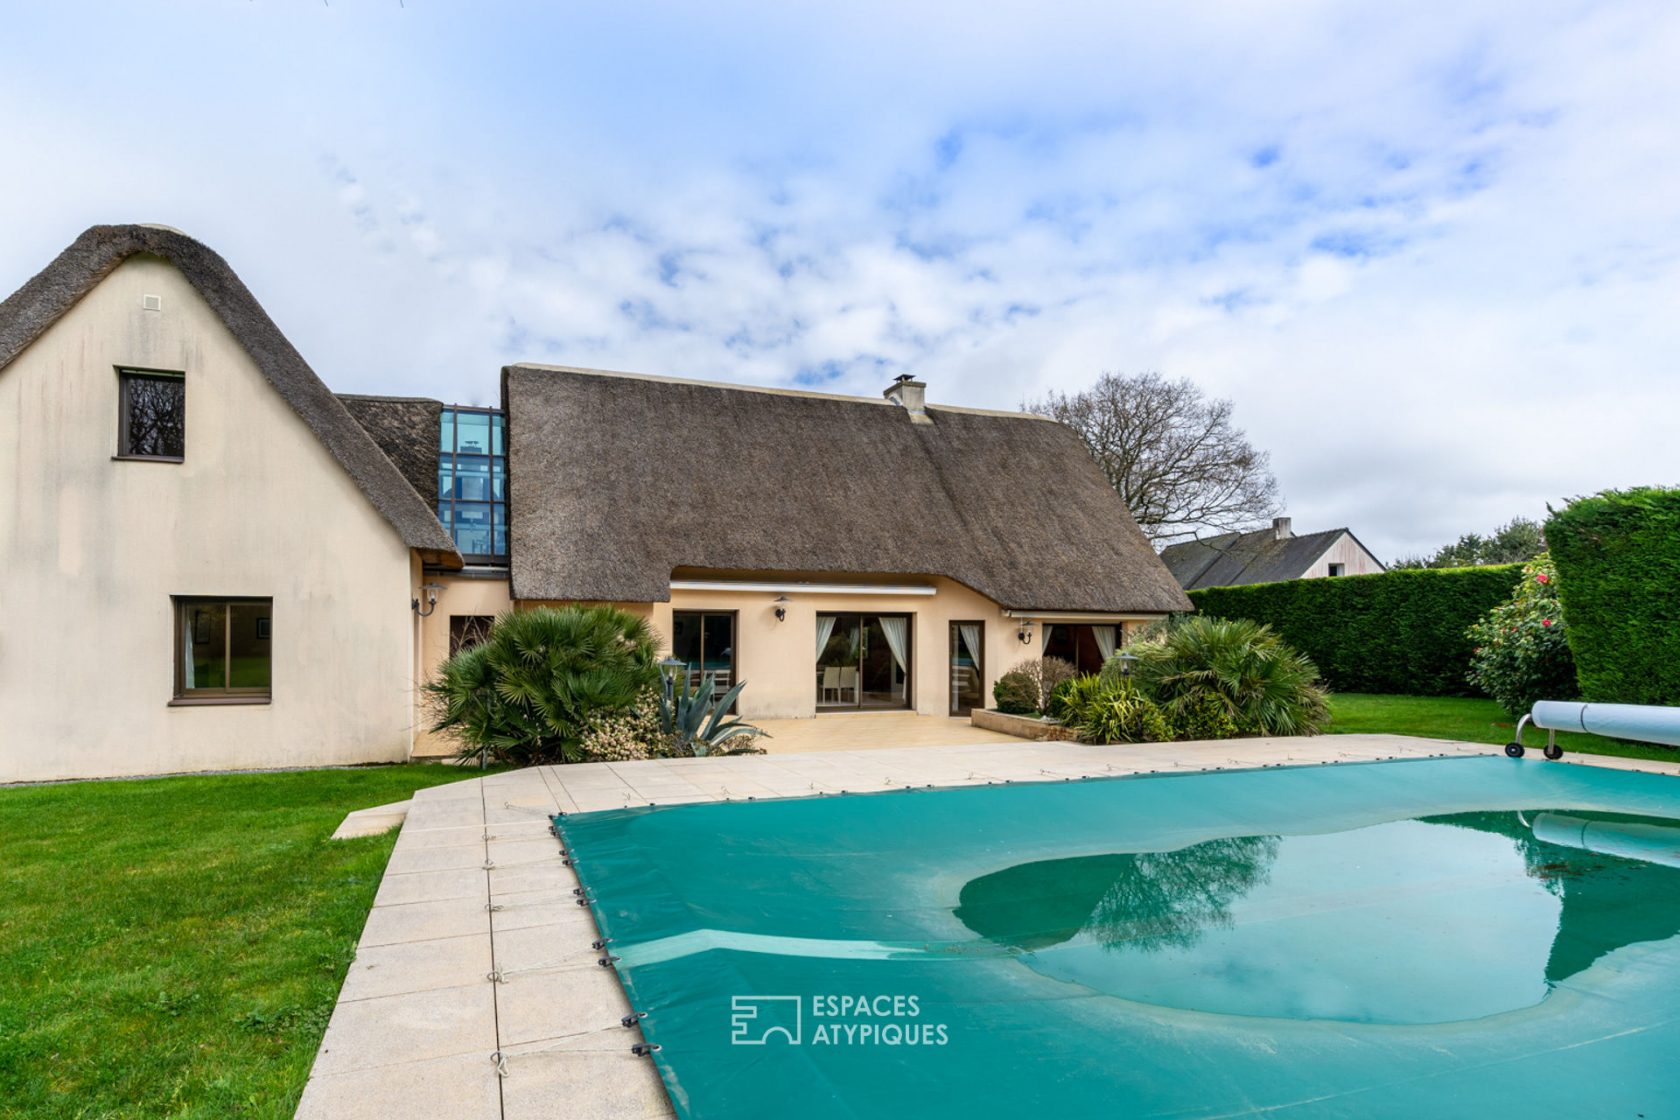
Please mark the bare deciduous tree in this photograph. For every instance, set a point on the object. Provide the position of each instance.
(1172, 453)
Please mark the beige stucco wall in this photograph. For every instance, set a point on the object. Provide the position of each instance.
(93, 549)
(778, 659)
(460, 595)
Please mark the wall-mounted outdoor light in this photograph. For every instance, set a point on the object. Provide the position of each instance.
(430, 592)
(781, 602)
(1025, 633)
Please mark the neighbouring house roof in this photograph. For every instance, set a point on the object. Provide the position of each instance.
(33, 308)
(406, 429)
(1237, 558)
(617, 479)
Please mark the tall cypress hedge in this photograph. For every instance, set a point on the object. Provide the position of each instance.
(1618, 564)
(1399, 632)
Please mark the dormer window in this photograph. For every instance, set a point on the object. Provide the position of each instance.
(152, 415)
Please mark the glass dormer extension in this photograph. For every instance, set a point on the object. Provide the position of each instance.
(472, 482)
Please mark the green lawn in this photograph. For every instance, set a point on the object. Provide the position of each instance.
(174, 947)
(1475, 721)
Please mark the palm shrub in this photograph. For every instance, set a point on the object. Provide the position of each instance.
(1266, 686)
(1522, 651)
(526, 695)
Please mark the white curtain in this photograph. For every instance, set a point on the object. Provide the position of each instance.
(825, 630)
(897, 631)
(1105, 641)
(187, 678)
(1046, 635)
(970, 633)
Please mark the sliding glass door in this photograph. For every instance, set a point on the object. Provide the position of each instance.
(968, 667)
(706, 641)
(863, 661)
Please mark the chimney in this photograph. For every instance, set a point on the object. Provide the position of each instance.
(1281, 528)
(910, 395)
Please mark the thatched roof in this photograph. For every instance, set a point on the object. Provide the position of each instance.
(618, 479)
(1233, 559)
(28, 312)
(406, 429)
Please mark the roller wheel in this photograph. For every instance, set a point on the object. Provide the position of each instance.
(1514, 750)
(1553, 752)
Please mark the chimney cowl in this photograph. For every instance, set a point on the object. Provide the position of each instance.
(1281, 528)
(910, 395)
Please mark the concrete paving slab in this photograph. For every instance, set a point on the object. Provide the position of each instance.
(562, 1084)
(425, 921)
(461, 1085)
(417, 966)
(409, 1027)
(433, 886)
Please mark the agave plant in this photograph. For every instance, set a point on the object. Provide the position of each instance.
(697, 721)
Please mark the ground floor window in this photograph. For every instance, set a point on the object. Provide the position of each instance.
(223, 648)
(469, 630)
(1084, 645)
(968, 667)
(863, 661)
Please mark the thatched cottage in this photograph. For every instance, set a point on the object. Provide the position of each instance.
(215, 562)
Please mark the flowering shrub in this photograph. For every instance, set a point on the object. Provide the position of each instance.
(620, 736)
(1521, 654)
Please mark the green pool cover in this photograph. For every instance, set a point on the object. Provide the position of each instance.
(1461, 937)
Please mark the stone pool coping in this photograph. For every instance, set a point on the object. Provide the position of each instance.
(475, 991)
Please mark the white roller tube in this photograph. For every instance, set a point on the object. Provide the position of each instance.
(1650, 843)
(1642, 723)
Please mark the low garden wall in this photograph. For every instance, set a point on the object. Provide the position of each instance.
(1023, 727)
(1395, 632)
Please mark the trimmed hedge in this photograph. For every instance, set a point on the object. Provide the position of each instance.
(1618, 563)
(1403, 631)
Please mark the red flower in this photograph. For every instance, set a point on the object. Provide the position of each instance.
(1545, 622)
(1542, 577)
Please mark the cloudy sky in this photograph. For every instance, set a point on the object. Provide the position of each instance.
(1431, 250)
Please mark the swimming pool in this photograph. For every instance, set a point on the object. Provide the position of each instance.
(1477, 937)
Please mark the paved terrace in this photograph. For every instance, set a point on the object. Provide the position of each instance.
(475, 992)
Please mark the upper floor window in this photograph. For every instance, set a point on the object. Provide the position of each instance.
(1338, 569)
(152, 415)
(472, 482)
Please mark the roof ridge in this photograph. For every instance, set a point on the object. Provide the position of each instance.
(772, 390)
